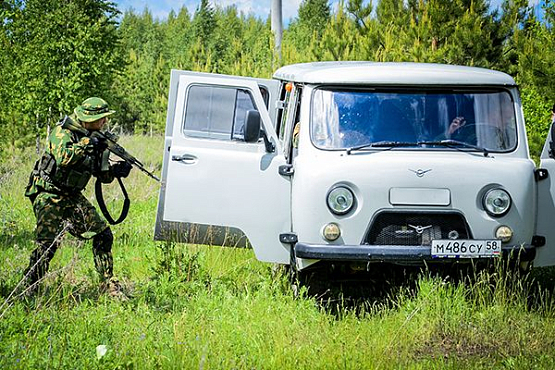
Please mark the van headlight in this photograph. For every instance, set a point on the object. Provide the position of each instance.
(496, 202)
(340, 200)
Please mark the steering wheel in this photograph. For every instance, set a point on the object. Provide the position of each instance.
(492, 135)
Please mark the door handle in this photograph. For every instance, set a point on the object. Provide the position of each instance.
(185, 158)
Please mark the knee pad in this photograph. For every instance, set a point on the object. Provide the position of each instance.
(104, 240)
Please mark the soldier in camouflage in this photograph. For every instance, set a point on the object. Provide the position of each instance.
(55, 187)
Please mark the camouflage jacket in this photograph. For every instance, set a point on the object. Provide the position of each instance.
(67, 165)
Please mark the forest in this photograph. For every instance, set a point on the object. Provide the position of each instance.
(56, 53)
(197, 306)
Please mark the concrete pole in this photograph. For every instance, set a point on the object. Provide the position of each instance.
(277, 27)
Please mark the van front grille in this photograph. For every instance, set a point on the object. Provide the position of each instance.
(414, 228)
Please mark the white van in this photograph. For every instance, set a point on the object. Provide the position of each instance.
(356, 162)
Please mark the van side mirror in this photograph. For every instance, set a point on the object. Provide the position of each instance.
(251, 130)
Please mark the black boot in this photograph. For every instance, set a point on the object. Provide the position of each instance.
(102, 252)
(38, 264)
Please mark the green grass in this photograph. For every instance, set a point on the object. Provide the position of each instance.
(200, 307)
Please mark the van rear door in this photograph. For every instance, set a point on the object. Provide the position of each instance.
(218, 189)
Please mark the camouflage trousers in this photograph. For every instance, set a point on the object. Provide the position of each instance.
(57, 214)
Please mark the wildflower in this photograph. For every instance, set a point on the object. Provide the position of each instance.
(101, 351)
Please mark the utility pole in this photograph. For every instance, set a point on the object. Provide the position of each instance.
(277, 27)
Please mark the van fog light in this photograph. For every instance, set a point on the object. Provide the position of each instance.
(331, 232)
(504, 233)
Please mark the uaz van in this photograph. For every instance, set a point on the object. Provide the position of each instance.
(358, 163)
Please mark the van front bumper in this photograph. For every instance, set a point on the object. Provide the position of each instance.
(391, 253)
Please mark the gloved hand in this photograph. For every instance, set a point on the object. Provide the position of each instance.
(98, 144)
(121, 169)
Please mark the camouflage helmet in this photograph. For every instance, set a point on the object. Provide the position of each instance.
(92, 109)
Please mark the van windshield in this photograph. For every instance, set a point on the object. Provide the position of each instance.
(343, 119)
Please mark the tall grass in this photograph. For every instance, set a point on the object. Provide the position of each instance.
(201, 307)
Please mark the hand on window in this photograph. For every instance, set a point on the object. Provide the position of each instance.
(455, 125)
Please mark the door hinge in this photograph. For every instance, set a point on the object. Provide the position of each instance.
(288, 238)
(538, 241)
(286, 170)
(280, 104)
(541, 174)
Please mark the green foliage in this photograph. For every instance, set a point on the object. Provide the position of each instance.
(193, 306)
(57, 53)
(537, 113)
(201, 307)
(531, 50)
(313, 17)
(203, 21)
(339, 39)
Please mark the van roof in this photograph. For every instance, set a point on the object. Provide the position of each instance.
(352, 73)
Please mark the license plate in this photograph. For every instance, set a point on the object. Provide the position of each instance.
(466, 248)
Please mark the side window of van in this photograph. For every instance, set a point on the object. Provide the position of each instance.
(214, 112)
(282, 112)
(296, 125)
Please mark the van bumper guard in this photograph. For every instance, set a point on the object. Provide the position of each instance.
(392, 253)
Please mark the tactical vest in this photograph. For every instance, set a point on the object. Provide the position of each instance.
(69, 179)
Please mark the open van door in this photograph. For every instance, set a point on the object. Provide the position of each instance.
(220, 185)
(545, 226)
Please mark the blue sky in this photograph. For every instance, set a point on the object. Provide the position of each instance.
(261, 8)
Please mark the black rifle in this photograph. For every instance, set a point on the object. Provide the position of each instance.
(111, 140)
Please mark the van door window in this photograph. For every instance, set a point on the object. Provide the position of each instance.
(296, 124)
(282, 112)
(243, 104)
(214, 112)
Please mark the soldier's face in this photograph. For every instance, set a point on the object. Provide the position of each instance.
(96, 125)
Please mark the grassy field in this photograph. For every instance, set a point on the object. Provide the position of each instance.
(199, 307)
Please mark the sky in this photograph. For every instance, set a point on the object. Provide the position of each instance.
(261, 8)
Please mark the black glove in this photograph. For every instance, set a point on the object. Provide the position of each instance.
(98, 144)
(121, 169)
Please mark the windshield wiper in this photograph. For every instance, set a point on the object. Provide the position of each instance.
(381, 144)
(455, 144)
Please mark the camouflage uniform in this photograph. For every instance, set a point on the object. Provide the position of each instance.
(55, 187)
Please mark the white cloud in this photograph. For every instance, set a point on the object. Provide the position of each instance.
(161, 8)
(497, 3)
(261, 8)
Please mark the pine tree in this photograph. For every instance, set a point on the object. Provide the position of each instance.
(64, 51)
(339, 40)
(145, 76)
(177, 38)
(313, 17)
(203, 21)
(532, 52)
(360, 12)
